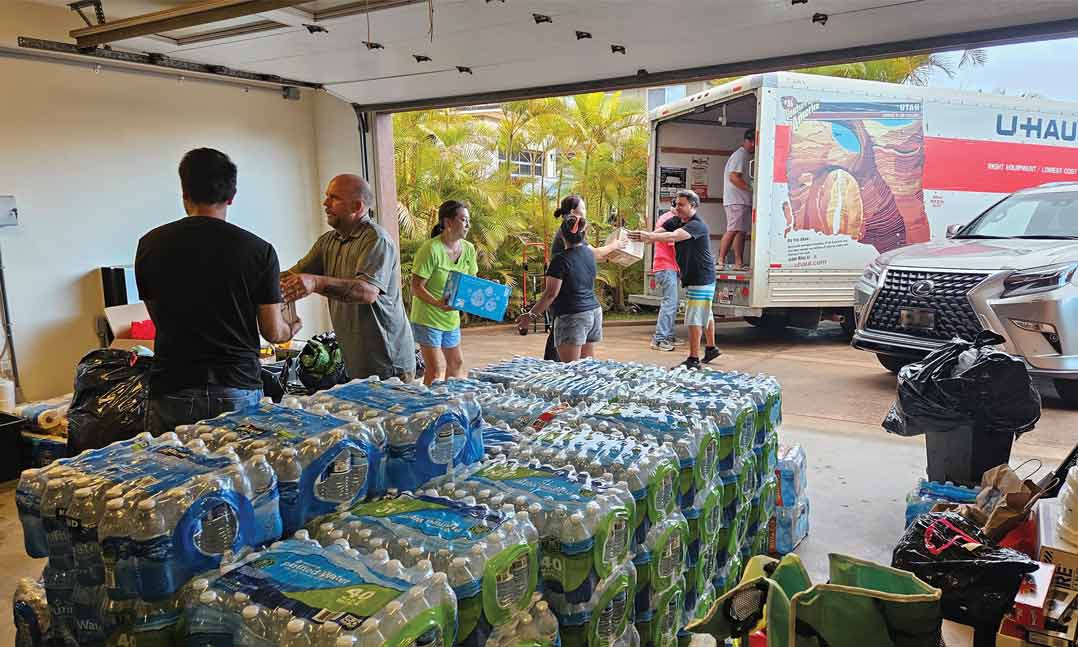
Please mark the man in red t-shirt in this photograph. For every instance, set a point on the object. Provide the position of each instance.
(666, 278)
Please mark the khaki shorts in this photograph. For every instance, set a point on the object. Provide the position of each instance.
(738, 217)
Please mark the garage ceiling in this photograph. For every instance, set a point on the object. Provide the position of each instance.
(530, 48)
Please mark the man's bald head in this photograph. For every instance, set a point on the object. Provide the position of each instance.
(348, 197)
(356, 187)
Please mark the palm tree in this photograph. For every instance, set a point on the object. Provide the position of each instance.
(914, 70)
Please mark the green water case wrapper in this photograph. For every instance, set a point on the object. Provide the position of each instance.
(336, 461)
(367, 596)
(584, 524)
(429, 432)
(660, 629)
(604, 618)
(660, 564)
(650, 471)
(490, 556)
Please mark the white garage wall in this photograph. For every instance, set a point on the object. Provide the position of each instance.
(92, 157)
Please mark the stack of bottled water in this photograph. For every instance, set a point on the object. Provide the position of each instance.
(319, 461)
(723, 427)
(298, 594)
(126, 525)
(429, 432)
(584, 526)
(489, 554)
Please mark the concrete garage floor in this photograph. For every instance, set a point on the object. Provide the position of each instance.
(833, 401)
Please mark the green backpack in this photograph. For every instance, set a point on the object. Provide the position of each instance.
(863, 604)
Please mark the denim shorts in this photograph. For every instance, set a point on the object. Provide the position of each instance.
(579, 328)
(434, 338)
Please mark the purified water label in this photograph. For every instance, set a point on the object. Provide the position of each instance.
(512, 583)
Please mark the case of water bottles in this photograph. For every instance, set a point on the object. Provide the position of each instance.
(651, 471)
(128, 524)
(320, 461)
(296, 593)
(489, 553)
(429, 432)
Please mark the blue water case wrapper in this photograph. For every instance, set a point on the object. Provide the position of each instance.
(477, 296)
(283, 427)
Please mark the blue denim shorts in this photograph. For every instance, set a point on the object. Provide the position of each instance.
(434, 338)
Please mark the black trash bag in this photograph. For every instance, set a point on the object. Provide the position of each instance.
(275, 378)
(109, 403)
(321, 364)
(979, 580)
(965, 385)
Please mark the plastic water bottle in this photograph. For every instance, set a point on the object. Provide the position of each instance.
(54, 504)
(296, 634)
(153, 546)
(289, 472)
(115, 535)
(28, 501)
(257, 630)
(155, 623)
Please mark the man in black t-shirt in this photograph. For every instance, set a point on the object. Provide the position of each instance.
(692, 247)
(211, 288)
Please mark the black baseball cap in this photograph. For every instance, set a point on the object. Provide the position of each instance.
(750, 135)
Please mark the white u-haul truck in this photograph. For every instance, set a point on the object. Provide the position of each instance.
(844, 170)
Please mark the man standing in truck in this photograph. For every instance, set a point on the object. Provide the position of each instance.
(692, 248)
(737, 200)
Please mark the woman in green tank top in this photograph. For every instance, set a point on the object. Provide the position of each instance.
(436, 324)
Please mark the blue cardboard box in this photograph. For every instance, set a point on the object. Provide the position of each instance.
(477, 296)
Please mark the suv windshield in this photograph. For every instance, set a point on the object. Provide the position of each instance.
(1035, 215)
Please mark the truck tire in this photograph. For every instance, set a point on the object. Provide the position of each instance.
(893, 363)
(1068, 392)
(849, 323)
(770, 321)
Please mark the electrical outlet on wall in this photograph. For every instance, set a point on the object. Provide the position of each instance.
(9, 214)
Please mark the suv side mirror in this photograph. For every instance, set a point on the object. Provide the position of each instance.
(952, 230)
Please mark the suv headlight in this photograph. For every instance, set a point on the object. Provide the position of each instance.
(1041, 279)
(873, 273)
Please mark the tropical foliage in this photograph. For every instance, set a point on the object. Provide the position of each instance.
(597, 144)
(594, 145)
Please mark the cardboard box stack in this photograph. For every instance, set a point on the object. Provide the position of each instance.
(1045, 612)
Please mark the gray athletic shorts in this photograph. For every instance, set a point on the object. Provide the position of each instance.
(580, 328)
(738, 217)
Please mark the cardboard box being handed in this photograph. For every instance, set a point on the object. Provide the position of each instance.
(627, 255)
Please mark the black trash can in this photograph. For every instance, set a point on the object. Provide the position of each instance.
(963, 454)
(11, 428)
(970, 400)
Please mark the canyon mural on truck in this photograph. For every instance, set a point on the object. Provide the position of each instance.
(855, 169)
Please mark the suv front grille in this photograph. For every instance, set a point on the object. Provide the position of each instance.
(954, 315)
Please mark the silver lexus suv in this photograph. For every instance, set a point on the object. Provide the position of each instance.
(1013, 270)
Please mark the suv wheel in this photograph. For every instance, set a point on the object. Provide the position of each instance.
(1068, 392)
(893, 363)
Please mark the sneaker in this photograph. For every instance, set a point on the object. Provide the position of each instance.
(677, 342)
(710, 353)
(662, 345)
(691, 362)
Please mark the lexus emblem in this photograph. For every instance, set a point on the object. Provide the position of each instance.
(922, 288)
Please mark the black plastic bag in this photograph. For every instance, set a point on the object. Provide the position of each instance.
(275, 378)
(965, 385)
(321, 365)
(109, 403)
(979, 580)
